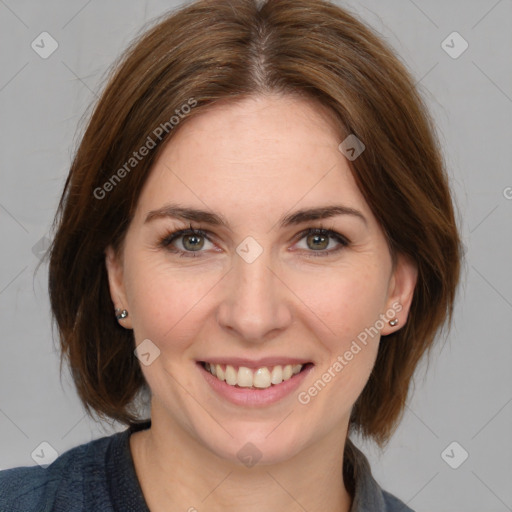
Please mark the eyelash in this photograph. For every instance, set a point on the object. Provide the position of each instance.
(166, 241)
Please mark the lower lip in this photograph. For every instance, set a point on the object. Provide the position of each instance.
(251, 396)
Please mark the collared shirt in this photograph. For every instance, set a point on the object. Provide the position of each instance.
(100, 476)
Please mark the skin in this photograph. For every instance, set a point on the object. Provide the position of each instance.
(253, 162)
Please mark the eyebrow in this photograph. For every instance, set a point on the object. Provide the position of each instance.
(297, 217)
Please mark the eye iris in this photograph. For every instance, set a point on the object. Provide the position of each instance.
(315, 241)
(197, 244)
(323, 238)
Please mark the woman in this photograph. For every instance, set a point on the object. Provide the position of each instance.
(256, 235)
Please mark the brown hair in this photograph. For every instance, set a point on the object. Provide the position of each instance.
(217, 50)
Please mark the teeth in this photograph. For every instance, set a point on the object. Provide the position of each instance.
(277, 375)
(231, 375)
(260, 378)
(245, 377)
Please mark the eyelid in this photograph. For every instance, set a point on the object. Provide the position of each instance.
(322, 231)
(178, 233)
(342, 240)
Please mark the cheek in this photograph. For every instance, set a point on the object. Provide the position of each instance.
(346, 301)
(166, 301)
(345, 315)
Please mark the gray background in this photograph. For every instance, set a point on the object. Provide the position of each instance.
(466, 394)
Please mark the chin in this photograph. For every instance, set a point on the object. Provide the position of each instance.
(251, 445)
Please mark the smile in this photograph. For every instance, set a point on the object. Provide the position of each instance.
(260, 378)
(251, 384)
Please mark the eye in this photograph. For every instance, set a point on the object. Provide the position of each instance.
(193, 242)
(319, 239)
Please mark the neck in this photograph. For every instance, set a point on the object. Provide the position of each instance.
(174, 468)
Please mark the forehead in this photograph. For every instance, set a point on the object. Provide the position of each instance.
(262, 155)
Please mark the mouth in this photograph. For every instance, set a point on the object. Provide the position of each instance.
(262, 377)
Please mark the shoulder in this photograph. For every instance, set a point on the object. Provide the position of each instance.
(62, 485)
(393, 504)
(368, 495)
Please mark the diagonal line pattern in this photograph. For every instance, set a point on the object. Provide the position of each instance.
(488, 215)
(419, 80)
(419, 419)
(13, 218)
(410, 499)
(488, 12)
(425, 14)
(68, 432)
(14, 76)
(492, 81)
(13, 279)
(78, 78)
(494, 288)
(490, 490)
(14, 14)
(286, 491)
(75, 15)
(14, 424)
(503, 407)
(275, 428)
(216, 487)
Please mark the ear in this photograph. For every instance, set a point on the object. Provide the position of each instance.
(400, 292)
(114, 265)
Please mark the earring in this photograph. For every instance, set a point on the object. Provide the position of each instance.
(120, 314)
(393, 322)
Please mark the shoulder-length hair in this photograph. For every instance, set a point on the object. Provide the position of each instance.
(216, 50)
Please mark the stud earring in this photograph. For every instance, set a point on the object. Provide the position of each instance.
(120, 314)
(393, 322)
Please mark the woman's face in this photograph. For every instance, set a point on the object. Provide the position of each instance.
(256, 290)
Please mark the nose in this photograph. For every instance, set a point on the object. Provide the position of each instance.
(256, 303)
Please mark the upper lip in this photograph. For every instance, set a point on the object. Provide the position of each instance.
(255, 363)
